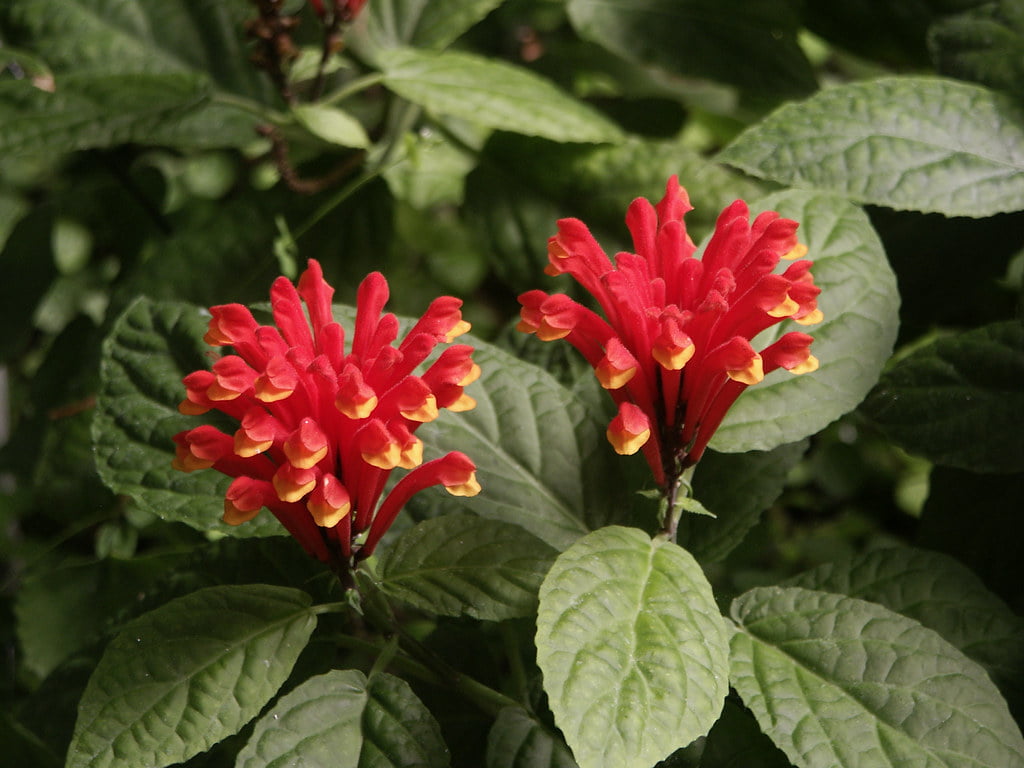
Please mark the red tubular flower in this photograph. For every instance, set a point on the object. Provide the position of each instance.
(320, 429)
(674, 345)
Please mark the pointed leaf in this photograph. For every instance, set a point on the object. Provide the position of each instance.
(516, 740)
(398, 730)
(984, 44)
(860, 302)
(149, 349)
(942, 594)
(845, 683)
(181, 678)
(632, 647)
(494, 94)
(431, 24)
(463, 564)
(911, 143)
(331, 124)
(949, 400)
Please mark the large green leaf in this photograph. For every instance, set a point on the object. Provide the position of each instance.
(149, 349)
(751, 45)
(516, 740)
(958, 400)
(838, 682)
(985, 44)
(463, 564)
(494, 94)
(181, 678)
(859, 300)
(912, 143)
(90, 111)
(430, 24)
(342, 720)
(632, 647)
(736, 488)
(942, 594)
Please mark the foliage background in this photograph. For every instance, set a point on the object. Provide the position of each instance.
(142, 174)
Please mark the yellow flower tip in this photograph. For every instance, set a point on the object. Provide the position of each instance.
(798, 252)
(214, 336)
(673, 358)
(464, 403)
(611, 377)
(547, 332)
(425, 412)
(626, 443)
(552, 271)
(811, 318)
(524, 327)
(412, 455)
(289, 489)
(469, 488)
(220, 394)
(357, 409)
(268, 393)
(785, 308)
(327, 516)
(303, 459)
(245, 446)
(751, 374)
(807, 366)
(460, 328)
(235, 516)
(388, 457)
(188, 408)
(473, 375)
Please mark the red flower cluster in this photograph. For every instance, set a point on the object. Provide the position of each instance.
(320, 430)
(673, 347)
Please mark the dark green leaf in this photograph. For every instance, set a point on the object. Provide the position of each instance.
(27, 260)
(22, 747)
(841, 682)
(149, 349)
(860, 302)
(632, 647)
(940, 593)
(181, 678)
(398, 730)
(516, 740)
(751, 45)
(737, 488)
(494, 94)
(911, 143)
(985, 44)
(958, 400)
(428, 24)
(463, 564)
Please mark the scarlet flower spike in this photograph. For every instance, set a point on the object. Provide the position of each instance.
(321, 428)
(673, 347)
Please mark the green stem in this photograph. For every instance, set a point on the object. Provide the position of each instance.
(355, 86)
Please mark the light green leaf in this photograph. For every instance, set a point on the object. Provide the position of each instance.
(331, 124)
(860, 302)
(177, 680)
(463, 564)
(755, 49)
(737, 488)
(911, 143)
(516, 740)
(342, 720)
(942, 594)
(949, 400)
(845, 683)
(632, 647)
(148, 351)
(494, 94)
(431, 171)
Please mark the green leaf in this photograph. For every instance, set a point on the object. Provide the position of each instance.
(939, 592)
(737, 488)
(431, 171)
(949, 400)
(342, 720)
(149, 349)
(13, 208)
(531, 439)
(331, 124)
(429, 24)
(181, 678)
(911, 143)
(516, 740)
(860, 302)
(95, 111)
(463, 564)
(845, 683)
(494, 94)
(985, 44)
(754, 48)
(632, 647)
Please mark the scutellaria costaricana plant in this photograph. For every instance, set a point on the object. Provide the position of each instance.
(674, 345)
(321, 429)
